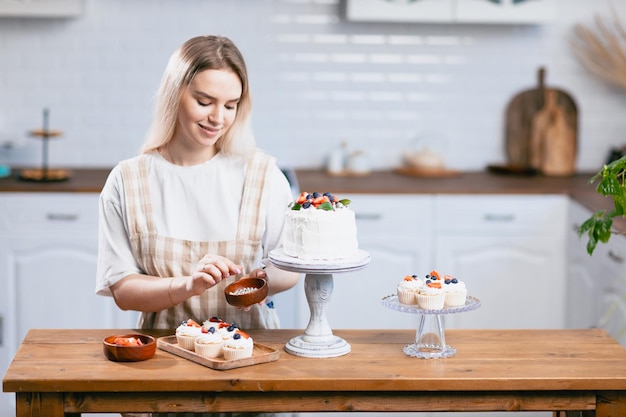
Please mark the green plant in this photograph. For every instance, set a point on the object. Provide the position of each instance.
(599, 227)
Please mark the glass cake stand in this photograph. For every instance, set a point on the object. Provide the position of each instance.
(318, 340)
(430, 339)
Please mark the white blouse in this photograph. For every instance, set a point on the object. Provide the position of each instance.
(197, 203)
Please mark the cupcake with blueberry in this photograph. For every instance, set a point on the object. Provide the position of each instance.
(408, 288)
(209, 344)
(212, 322)
(455, 291)
(186, 334)
(239, 346)
(431, 296)
(227, 330)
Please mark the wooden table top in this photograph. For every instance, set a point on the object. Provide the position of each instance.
(486, 360)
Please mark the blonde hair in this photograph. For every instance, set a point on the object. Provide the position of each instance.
(196, 55)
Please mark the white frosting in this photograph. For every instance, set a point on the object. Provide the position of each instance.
(241, 343)
(411, 284)
(426, 290)
(452, 287)
(209, 338)
(320, 234)
(208, 324)
(184, 330)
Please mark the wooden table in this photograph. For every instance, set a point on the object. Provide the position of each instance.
(58, 372)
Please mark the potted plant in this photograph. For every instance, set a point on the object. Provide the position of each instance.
(599, 227)
(611, 183)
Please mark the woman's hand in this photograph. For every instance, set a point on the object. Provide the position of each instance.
(256, 273)
(210, 270)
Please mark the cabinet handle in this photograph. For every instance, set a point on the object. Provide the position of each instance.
(1, 331)
(490, 217)
(615, 257)
(62, 217)
(368, 216)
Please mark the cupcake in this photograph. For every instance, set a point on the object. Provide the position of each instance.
(212, 322)
(186, 334)
(209, 344)
(240, 346)
(227, 330)
(455, 291)
(431, 296)
(408, 288)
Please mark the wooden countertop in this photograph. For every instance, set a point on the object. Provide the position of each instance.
(83, 180)
(515, 370)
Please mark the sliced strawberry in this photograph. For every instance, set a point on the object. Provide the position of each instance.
(192, 323)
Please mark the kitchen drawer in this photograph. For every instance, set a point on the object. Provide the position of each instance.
(391, 215)
(48, 212)
(519, 214)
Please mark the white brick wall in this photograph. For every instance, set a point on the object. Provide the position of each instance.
(316, 80)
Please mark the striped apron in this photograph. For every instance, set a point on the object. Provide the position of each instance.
(163, 256)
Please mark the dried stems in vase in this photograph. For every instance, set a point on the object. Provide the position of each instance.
(602, 48)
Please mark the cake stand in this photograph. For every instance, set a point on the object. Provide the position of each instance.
(318, 340)
(430, 339)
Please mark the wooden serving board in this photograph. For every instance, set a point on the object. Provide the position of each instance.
(528, 116)
(260, 354)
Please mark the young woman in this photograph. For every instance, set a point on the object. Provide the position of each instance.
(201, 206)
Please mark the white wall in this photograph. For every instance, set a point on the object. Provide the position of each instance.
(316, 80)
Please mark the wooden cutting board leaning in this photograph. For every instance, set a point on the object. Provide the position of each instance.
(541, 130)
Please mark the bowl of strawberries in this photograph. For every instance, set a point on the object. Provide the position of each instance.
(129, 347)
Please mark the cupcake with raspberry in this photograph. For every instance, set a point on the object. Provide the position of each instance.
(239, 346)
(408, 288)
(455, 291)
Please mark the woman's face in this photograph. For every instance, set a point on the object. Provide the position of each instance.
(208, 107)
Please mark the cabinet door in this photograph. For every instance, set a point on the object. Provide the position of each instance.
(48, 255)
(611, 277)
(583, 290)
(504, 11)
(511, 253)
(519, 280)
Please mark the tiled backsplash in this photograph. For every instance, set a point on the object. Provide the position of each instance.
(317, 80)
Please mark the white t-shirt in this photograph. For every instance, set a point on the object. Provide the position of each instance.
(197, 203)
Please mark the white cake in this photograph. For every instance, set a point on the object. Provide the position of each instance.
(323, 229)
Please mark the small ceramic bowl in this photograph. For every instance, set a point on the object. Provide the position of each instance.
(120, 353)
(246, 292)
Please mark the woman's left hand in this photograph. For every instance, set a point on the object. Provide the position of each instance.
(256, 273)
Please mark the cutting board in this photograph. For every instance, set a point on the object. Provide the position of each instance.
(541, 129)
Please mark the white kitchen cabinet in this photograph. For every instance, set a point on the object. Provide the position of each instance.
(41, 8)
(48, 255)
(396, 231)
(596, 284)
(453, 11)
(504, 11)
(611, 278)
(435, 11)
(584, 295)
(511, 252)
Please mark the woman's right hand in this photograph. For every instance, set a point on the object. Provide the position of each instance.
(210, 270)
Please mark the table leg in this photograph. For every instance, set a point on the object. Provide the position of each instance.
(35, 404)
(610, 403)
